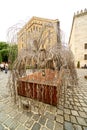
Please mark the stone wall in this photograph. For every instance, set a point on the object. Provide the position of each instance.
(78, 37)
(36, 28)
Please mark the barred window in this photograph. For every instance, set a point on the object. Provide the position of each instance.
(85, 45)
(85, 57)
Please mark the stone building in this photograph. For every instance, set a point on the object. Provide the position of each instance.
(38, 29)
(78, 38)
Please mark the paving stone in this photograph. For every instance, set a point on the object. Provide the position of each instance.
(75, 113)
(84, 104)
(13, 113)
(81, 121)
(29, 123)
(77, 104)
(60, 107)
(59, 118)
(77, 127)
(2, 106)
(70, 107)
(36, 117)
(44, 128)
(86, 119)
(18, 116)
(68, 126)
(21, 127)
(50, 116)
(60, 112)
(3, 117)
(66, 117)
(67, 111)
(73, 119)
(8, 110)
(66, 105)
(23, 119)
(75, 107)
(14, 125)
(84, 128)
(42, 120)
(67, 102)
(81, 101)
(14, 106)
(85, 109)
(58, 126)
(82, 114)
(80, 108)
(50, 124)
(8, 122)
(75, 99)
(30, 114)
(72, 103)
(36, 126)
(51, 109)
(2, 127)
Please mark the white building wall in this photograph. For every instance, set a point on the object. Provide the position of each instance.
(78, 38)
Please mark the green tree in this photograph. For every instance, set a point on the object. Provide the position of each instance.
(4, 52)
(4, 55)
(3, 45)
(0, 58)
(8, 53)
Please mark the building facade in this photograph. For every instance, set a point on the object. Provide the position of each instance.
(78, 38)
(44, 31)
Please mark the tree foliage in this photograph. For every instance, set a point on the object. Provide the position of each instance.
(3, 45)
(4, 55)
(0, 58)
(8, 52)
(4, 52)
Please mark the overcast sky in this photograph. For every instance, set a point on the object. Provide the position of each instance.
(17, 11)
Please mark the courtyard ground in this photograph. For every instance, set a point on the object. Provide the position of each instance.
(71, 113)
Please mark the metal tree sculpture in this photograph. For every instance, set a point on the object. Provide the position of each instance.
(57, 57)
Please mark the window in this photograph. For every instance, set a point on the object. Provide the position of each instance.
(33, 28)
(22, 39)
(85, 57)
(85, 46)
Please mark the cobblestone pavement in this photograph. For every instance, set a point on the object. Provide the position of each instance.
(71, 113)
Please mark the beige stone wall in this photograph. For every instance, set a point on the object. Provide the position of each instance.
(32, 32)
(78, 37)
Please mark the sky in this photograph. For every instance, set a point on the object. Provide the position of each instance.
(13, 12)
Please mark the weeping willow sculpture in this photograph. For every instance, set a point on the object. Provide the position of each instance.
(58, 58)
